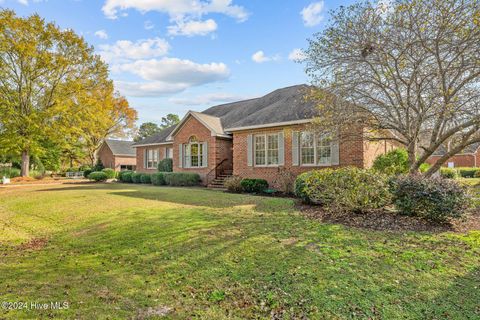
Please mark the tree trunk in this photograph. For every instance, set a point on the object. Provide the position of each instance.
(412, 158)
(25, 170)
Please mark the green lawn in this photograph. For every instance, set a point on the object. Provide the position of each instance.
(114, 251)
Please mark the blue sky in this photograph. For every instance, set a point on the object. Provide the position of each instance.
(171, 56)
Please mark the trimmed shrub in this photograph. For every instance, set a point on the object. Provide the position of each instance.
(98, 166)
(424, 167)
(158, 179)
(254, 185)
(126, 176)
(146, 178)
(165, 165)
(98, 176)
(300, 186)
(136, 177)
(394, 162)
(234, 184)
(435, 199)
(477, 174)
(9, 172)
(448, 173)
(109, 172)
(182, 178)
(466, 172)
(86, 172)
(350, 189)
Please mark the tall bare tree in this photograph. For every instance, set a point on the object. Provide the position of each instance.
(411, 68)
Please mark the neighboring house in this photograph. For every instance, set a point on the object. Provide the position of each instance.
(255, 138)
(118, 155)
(470, 157)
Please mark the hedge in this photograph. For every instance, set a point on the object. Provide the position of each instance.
(98, 176)
(109, 172)
(146, 178)
(254, 185)
(466, 172)
(182, 178)
(158, 179)
(136, 177)
(165, 165)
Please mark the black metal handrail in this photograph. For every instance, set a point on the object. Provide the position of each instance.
(216, 170)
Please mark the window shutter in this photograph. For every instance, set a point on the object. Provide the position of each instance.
(188, 156)
(250, 150)
(205, 154)
(145, 158)
(180, 155)
(335, 150)
(295, 148)
(281, 149)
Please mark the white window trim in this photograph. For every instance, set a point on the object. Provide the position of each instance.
(315, 152)
(147, 160)
(266, 150)
(188, 145)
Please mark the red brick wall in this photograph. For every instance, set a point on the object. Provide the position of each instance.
(351, 154)
(140, 152)
(372, 149)
(114, 162)
(461, 160)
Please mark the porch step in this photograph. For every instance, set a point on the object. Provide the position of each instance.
(219, 182)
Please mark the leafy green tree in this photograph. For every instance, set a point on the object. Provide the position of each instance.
(147, 129)
(169, 120)
(52, 87)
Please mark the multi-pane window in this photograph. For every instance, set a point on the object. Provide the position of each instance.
(194, 152)
(315, 149)
(152, 158)
(307, 148)
(169, 153)
(266, 149)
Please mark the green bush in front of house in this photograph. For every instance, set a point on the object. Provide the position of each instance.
(448, 173)
(146, 178)
(467, 172)
(254, 185)
(165, 165)
(136, 177)
(182, 179)
(158, 179)
(98, 176)
(347, 189)
(125, 176)
(394, 162)
(435, 199)
(109, 172)
(300, 191)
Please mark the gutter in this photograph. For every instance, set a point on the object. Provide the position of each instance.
(270, 125)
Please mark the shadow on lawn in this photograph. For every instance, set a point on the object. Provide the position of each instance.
(191, 196)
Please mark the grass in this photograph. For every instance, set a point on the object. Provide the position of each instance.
(125, 251)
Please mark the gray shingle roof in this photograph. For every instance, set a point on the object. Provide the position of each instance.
(282, 105)
(121, 147)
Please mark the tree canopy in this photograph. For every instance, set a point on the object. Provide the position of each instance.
(53, 87)
(409, 68)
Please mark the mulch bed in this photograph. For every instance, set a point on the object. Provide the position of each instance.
(384, 220)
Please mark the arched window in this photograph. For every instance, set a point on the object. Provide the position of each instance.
(195, 153)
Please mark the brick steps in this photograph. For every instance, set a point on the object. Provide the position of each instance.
(219, 182)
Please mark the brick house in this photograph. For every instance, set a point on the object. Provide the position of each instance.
(255, 138)
(118, 155)
(470, 157)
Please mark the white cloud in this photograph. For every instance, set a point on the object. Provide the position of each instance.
(168, 75)
(296, 55)
(127, 50)
(148, 25)
(176, 70)
(313, 14)
(192, 28)
(176, 9)
(102, 34)
(260, 57)
(209, 99)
